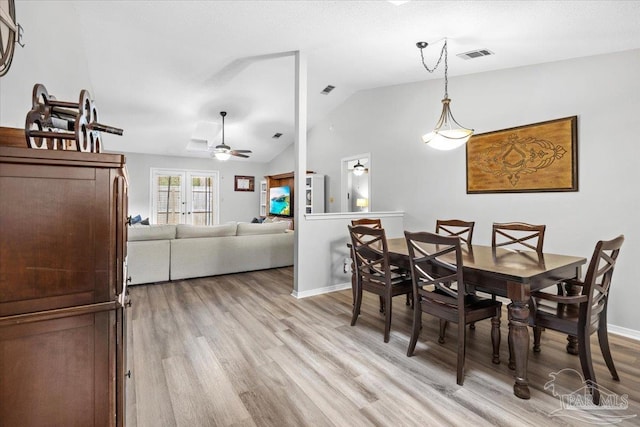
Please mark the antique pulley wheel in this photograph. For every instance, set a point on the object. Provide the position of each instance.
(8, 34)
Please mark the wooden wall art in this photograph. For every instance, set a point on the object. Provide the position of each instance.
(532, 158)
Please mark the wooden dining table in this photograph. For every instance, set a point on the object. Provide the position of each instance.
(511, 274)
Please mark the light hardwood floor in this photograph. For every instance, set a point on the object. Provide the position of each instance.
(239, 350)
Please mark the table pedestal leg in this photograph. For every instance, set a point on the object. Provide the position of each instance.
(519, 343)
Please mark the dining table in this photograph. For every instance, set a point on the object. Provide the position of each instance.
(507, 273)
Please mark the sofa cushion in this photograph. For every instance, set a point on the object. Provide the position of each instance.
(185, 231)
(151, 232)
(247, 229)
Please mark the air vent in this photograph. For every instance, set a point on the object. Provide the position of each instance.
(276, 135)
(327, 90)
(475, 54)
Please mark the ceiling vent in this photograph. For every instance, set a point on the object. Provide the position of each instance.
(327, 90)
(475, 54)
(276, 135)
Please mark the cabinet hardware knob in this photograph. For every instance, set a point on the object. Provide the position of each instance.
(128, 374)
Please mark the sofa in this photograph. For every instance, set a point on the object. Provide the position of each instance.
(159, 253)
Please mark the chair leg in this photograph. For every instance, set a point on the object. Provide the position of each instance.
(356, 305)
(415, 329)
(443, 330)
(537, 334)
(603, 340)
(381, 304)
(462, 341)
(387, 319)
(495, 338)
(587, 365)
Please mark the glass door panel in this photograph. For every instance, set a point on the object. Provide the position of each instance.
(202, 199)
(168, 198)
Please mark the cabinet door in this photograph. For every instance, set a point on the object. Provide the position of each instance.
(57, 237)
(60, 371)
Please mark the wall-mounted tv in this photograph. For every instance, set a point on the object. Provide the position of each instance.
(280, 201)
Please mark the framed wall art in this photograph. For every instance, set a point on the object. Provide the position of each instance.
(244, 183)
(533, 158)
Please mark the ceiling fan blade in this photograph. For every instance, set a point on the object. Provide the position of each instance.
(234, 153)
(242, 151)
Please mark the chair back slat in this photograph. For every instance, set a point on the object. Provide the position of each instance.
(434, 279)
(456, 227)
(370, 252)
(597, 282)
(370, 222)
(518, 235)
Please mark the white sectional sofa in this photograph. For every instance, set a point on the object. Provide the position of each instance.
(158, 253)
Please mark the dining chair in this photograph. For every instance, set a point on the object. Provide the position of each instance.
(582, 315)
(373, 271)
(439, 290)
(373, 223)
(462, 229)
(377, 223)
(456, 227)
(518, 235)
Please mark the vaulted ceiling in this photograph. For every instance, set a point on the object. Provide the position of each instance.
(163, 70)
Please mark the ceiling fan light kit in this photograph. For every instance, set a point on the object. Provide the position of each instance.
(223, 152)
(448, 134)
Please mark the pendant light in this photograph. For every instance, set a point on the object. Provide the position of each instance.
(358, 169)
(448, 133)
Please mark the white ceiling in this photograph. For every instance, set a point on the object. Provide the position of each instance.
(159, 69)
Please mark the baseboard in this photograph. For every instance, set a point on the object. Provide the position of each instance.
(625, 332)
(320, 291)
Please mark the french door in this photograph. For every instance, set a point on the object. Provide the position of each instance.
(184, 197)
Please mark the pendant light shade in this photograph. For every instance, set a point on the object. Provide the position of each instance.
(358, 169)
(448, 134)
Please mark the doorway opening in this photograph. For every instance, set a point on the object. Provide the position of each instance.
(355, 185)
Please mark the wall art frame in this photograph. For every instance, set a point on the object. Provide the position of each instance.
(539, 157)
(244, 183)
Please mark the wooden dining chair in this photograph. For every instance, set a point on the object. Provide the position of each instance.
(518, 235)
(377, 224)
(439, 290)
(373, 271)
(456, 227)
(582, 315)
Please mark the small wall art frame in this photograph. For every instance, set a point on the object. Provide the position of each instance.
(539, 157)
(244, 183)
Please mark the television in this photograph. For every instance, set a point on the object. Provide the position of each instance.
(280, 201)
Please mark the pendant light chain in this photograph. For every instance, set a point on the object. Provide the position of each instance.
(443, 53)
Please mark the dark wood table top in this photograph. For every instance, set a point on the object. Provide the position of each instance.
(516, 266)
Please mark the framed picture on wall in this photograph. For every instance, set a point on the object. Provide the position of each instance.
(533, 158)
(244, 183)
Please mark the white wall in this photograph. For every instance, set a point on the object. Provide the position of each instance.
(234, 205)
(603, 91)
(283, 162)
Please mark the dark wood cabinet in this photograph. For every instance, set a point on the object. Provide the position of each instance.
(62, 288)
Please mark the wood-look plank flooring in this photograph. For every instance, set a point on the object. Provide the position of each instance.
(239, 350)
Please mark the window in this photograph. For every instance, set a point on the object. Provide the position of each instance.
(184, 197)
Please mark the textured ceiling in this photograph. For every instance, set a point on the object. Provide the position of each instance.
(163, 69)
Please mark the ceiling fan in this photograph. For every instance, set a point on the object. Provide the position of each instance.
(223, 151)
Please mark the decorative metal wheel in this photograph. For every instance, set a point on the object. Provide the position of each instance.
(8, 34)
